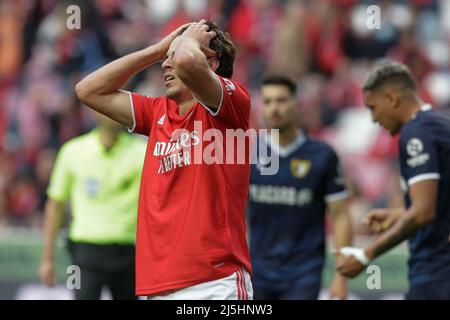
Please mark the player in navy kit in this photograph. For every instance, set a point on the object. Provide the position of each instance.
(287, 210)
(390, 94)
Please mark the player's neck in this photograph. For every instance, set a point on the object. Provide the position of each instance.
(288, 136)
(185, 102)
(414, 107)
(185, 106)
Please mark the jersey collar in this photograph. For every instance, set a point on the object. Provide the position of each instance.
(423, 108)
(426, 107)
(287, 150)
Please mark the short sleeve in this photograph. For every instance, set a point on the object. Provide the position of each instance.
(62, 178)
(142, 108)
(234, 106)
(419, 159)
(335, 188)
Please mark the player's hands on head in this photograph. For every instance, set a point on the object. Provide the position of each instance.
(164, 44)
(379, 220)
(199, 32)
(47, 273)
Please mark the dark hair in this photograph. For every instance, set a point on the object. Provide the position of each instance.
(389, 73)
(224, 48)
(278, 79)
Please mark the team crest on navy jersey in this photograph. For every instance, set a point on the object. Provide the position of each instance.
(300, 168)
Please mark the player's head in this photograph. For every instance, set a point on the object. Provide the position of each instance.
(279, 103)
(386, 89)
(221, 63)
(224, 48)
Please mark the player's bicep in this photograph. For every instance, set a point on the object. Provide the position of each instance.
(116, 105)
(423, 195)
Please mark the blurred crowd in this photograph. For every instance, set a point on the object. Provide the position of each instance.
(325, 45)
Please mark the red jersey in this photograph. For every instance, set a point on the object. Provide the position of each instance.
(191, 219)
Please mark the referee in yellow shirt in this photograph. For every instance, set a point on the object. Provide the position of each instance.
(99, 173)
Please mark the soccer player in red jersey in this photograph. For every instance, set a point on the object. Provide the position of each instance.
(191, 234)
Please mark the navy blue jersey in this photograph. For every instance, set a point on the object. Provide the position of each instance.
(287, 210)
(425, 154)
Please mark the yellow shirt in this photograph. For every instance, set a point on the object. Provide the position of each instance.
(102, 186)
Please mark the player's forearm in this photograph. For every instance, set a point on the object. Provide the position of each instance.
(53, 217)
(405, 226)
(396, 213)
(115, 74)
(342, 224)
(188, 58)
(342, 229)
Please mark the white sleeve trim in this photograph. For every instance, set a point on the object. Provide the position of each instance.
(337, 196)
(424, 176)
(132, 113)
(213, 112)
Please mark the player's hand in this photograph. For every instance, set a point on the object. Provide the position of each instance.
(164, 44)
(350, 263)
(199, 32)
(379, 220)
(338, 288)
(47, 273)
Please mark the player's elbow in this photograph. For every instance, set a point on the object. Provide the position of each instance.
(81, 89)
(87, 95)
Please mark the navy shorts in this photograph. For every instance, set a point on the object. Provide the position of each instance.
(288, 291)
(436, 290)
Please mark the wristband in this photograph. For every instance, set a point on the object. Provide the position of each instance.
(359, 254)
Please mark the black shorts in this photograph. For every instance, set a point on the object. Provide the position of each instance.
(110, 266)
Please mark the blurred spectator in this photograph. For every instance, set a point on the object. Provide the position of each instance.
(10, 45)
(291, 51)
(332, 27)
(252, 28)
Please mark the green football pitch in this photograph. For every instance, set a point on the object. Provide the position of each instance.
(20, 251)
